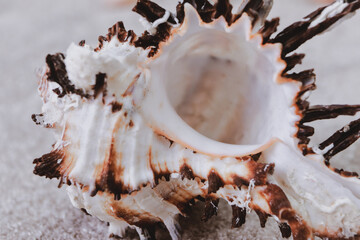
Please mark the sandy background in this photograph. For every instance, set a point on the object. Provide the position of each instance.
(34, 208)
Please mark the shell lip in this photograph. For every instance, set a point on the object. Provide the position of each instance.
(227, 150)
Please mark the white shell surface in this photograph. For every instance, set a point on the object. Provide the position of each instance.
(326, 200)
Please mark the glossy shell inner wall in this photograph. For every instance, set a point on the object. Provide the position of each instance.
(224, 83)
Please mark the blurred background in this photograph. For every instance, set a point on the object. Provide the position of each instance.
(34, 208)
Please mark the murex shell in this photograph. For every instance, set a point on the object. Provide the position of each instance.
(201, 106)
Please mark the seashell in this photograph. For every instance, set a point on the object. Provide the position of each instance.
(202, 106)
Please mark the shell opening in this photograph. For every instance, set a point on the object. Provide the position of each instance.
(224, 87)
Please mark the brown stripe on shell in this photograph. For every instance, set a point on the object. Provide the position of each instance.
(223, 8)
(211, 205)
(147, 40)
(304, 133)
(238, 216)
(131, 124)
(292, 61)
(256, 9)
(101, 40)
(245, 158)
(281, 207)
(341, 139)
(84, 211)
(177, 196)
(148, 233)
(240, 181)
(144, 220)
(260, 172)
(207, 12)
(117, 30)
(344, 173)
(319, 112)
(108, 175)
(151, 11)
(159, 174)
(307, 79)
(256, 157)
(299, 228)
(204, 8)
(276, 198)
(285, 230)
(262, 217)
(180, 13)
(131, 37)
(301, 104)
(116, 107)
(82, 43)
(186, 172)
(256, 171)
(38, 119)
(57, 73)
(131, 87)
(214, 181)
(100, 84)
(171, 142)
(269, 28)
(66, 180)
(298, 33)
(183, 204)
(49, 164)
(57, 91)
